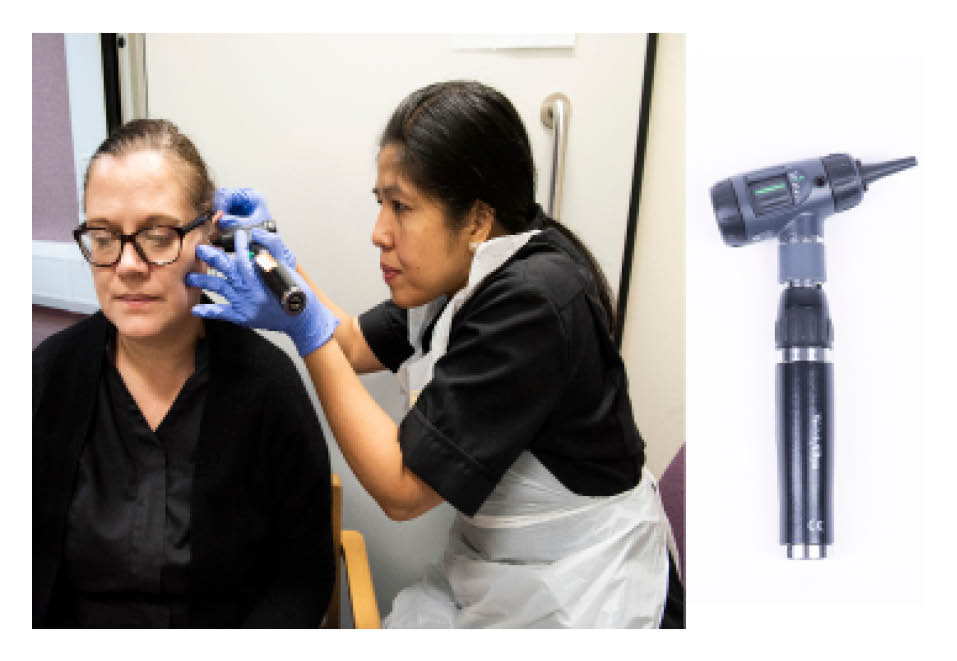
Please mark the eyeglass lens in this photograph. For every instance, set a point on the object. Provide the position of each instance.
(159, 244)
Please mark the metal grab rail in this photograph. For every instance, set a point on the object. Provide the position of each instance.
(556, 110)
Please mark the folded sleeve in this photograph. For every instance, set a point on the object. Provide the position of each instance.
(385, 328)
(491, 393)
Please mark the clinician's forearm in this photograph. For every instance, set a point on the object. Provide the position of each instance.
(367, 436)
(348, 334)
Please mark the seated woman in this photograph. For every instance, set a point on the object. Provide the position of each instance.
(180, 475)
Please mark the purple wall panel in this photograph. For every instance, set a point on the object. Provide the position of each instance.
(55, 206)
(47, 321)
(672, 488)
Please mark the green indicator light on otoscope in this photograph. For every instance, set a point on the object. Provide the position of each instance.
(768, 189)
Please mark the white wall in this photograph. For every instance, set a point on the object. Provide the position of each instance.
(298, 117)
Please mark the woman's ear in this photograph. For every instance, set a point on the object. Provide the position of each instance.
(210, 231)
(214, 226)
(481, 223)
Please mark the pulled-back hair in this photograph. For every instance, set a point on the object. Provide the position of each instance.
(165, 137)
(461, 142)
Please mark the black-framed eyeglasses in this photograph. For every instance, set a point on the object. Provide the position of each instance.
(158, 245)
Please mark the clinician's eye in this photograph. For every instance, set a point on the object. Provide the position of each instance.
(398, 207)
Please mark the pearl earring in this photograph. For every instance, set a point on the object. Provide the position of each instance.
(473, 245)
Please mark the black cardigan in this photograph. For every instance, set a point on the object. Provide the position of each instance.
(261, 539)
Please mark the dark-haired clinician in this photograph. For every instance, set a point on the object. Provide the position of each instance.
(499, 328)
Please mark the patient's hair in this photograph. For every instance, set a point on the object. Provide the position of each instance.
(163, 136)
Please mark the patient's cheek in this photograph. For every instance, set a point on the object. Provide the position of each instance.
(193, 295)
(198, 265)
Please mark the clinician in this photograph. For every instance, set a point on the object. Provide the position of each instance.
(500, 330)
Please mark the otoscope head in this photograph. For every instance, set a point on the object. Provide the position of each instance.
(767, 203)
(226, 239)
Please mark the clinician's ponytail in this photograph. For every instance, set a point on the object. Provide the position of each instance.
(462, 142)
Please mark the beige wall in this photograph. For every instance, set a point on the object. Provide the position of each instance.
(653, 346)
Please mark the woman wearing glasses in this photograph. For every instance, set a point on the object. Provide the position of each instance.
(180, 473)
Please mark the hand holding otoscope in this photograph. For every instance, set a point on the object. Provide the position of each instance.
(274, 273)
(789, 202)
(250, 302)
(245, 209)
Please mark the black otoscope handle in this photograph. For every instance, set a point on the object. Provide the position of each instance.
(805, 456)
(805, 404)
(278, 278)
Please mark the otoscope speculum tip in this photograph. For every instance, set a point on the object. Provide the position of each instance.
(873, 172)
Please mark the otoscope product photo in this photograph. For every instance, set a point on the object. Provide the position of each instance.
(790, 202)
(276, 276)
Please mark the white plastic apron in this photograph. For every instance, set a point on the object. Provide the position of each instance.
(535, 554)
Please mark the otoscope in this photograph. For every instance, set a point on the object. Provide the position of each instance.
(277, 276)
(789, 202)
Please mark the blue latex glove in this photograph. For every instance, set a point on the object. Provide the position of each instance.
(252, 303)
(246, 208)
(242, 207)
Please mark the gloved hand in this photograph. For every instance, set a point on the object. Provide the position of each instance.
(246, 208)
(242, 207)
(252, 303)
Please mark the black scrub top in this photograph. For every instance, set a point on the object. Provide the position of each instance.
(127, 547)
(530, 365)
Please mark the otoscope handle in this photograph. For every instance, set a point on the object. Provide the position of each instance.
(805, 456)
(278, 278)
(805, 378)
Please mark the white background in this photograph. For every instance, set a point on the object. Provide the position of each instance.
(745, 113)
(759, 98)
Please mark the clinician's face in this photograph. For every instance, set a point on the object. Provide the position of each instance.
(127, 193)
(421, 258)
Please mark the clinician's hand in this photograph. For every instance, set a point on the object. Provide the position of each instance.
(252, 303)
(242, 207)
(246, 208)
